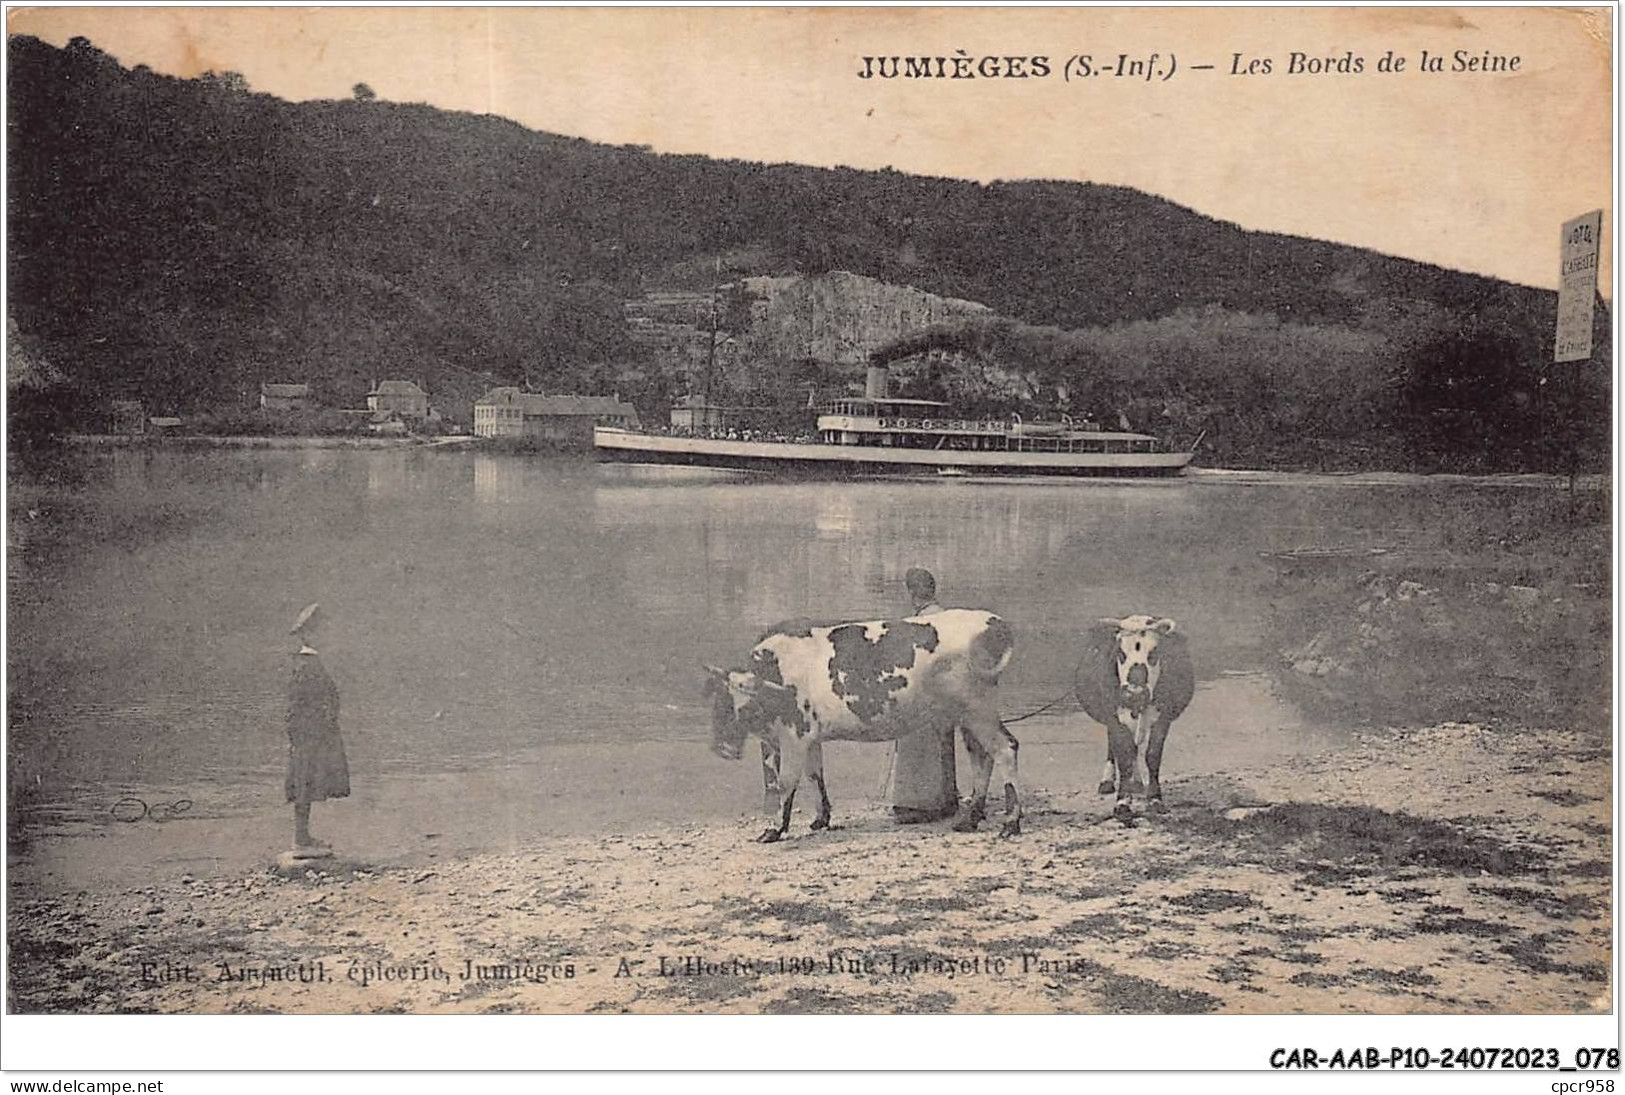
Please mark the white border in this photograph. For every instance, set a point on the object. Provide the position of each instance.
(67, 1047)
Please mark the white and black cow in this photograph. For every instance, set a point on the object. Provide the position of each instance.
(1135, 678)
(871, 681)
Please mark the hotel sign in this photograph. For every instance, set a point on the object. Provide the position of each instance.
(1577, 287)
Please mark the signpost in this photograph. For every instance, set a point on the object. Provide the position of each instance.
(1576, 302)
(1577, 289)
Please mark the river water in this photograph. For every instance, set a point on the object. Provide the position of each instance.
(517, 640)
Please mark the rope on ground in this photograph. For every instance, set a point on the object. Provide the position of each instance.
(1072, 691)
(1041, 710)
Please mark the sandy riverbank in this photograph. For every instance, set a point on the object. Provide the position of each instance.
(1452, 869)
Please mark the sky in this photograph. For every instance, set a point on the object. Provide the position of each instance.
(1470, 170)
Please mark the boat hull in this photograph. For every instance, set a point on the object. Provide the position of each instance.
(855, 460)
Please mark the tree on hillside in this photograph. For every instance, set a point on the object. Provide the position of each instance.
(363, 94)
(1468, 400)
(41, 402)
(234, 82)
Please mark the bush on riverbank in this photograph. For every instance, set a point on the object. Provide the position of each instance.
(257, 423)
(1514, 629)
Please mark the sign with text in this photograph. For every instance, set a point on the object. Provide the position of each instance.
(1577, 289)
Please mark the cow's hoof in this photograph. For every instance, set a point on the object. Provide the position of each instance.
(1156, 806)
(769, 836)
(966, 823)
(1123, 812)
(1107, 787)
(819, 823)
(1011, 828)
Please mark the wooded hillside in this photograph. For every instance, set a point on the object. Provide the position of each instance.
(182, 240)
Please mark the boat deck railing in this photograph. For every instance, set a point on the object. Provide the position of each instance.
(1017, 440)
(731, 433)
(992, 426)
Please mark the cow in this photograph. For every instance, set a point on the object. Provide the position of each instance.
(1135, 679)
(876, 680)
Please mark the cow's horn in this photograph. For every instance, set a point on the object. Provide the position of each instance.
(1109, 621)
(714, 671)
(1165, 625)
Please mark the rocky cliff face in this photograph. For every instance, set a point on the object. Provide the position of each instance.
(839, 318)
(764, 322)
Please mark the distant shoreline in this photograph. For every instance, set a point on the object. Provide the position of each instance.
(1193, 474)
(1267, 476)
(246, 441)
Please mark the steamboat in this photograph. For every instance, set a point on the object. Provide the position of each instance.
(877, 435)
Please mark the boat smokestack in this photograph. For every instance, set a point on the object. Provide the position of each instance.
(875, 386)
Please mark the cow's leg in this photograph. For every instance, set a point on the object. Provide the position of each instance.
(1153, 759)
(792, 763)
(1142, 733)
(815, 772)
(971, 812)
(1011, 783)
(1108, 774)
(1004, 771)
(1121, 741)
(1128, 776)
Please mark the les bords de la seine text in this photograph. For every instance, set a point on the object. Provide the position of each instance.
(1161, 65)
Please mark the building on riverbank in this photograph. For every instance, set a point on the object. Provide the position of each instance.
(406, 398)
(694, 414)
(284, 398)
(554, 419)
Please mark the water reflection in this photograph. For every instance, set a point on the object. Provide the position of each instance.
(319, 461)
(388, 475)
(497, 479)
(777, 550)
(834, 518)
(130, 468)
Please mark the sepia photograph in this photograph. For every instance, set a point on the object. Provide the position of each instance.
(813, 511)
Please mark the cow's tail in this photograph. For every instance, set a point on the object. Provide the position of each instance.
(992, 649)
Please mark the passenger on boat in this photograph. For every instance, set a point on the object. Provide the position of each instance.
(925, 784)
(317, 767)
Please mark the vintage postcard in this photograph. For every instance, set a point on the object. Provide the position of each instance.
(812, 511)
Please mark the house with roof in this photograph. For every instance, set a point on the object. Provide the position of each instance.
(406, 398)
(285, 397)
(559, 419)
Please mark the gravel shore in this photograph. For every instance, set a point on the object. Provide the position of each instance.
(1454, 869)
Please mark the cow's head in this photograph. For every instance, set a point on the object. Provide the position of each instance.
(1139, 661)
(740, 701)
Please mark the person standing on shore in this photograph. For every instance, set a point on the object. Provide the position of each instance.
(925, 786)
(317, 767)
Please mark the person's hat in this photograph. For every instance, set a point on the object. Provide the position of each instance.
(304, 619)
(920, 582)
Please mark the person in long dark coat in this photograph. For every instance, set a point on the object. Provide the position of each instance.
(925, 786)
(317, 767)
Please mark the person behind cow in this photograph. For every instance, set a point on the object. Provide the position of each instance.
(925, 786)
(317, 767)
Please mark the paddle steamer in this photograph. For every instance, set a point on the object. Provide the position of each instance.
(877, 435)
